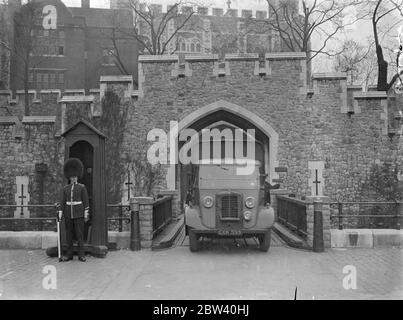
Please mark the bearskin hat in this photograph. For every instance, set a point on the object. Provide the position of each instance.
(73, 168)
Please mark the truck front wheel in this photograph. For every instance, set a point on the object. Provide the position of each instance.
(264, 241)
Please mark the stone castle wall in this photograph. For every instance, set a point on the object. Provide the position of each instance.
(313, 124)
(318, 124)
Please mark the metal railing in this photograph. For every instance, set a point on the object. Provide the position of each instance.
(47, 221)
(162, 214)
(37, 220)
(123, 216)
(292, 214)
(366, 215)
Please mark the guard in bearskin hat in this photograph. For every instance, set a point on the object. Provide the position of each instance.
(74, 208)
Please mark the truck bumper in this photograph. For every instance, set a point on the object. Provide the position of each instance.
(215, 233)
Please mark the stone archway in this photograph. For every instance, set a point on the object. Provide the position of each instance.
(254, 120)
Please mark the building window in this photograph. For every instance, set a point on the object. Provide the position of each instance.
(61, 78)
(46, 79)
(189, 45)
(108, 57)
(49, 43)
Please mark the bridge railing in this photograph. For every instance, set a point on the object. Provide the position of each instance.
(162, 214)
(366, 215)
(292, 213)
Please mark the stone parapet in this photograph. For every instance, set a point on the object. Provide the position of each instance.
(145, 220)
(321, 204)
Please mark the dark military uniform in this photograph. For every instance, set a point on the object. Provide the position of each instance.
(267, 188)
(74, 204)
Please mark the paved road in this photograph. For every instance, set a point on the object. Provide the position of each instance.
(220, 271)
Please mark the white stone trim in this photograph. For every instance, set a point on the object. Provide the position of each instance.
(354, 86)
(259, 70)
(116, 79)
(313, 166)
(51, 91)
(330, 76)
(203, 57)
(356, 107)
(63, 117)
(385, 117)
(5, 93)
(245, 56)
(77, 91)
(136, 93)
(39, 119)
(217, 71)
(96, 91)
(77, 99)
(285, 55)
(8, 120)
(343, 96)
(370, 95)
(161, 58)
(141, 79)
(266, 128)
(22, 212)
(304, 89)
(175, 70)
(23, 92)
(30, 92)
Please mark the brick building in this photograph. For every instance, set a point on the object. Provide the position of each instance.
(80, 48)
(89, 42)
(211, 30)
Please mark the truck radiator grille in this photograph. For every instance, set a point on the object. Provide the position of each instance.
(230, 205)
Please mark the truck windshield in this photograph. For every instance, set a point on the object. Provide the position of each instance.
(224, 176)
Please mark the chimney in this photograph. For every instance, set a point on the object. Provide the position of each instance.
(85, 4)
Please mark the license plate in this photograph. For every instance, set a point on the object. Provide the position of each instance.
(229, 233)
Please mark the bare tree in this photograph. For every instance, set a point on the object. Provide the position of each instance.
(115, 35)
(297, 26)
(150, 25)
(4, 41)
(357, 61)
(383, 11)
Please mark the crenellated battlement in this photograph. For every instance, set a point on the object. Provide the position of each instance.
(171, 67)
(252, 68)
(72, 95)
(207, 11)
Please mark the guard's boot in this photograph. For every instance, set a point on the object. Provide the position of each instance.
(65, 259)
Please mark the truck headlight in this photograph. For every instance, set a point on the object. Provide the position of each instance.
(247, 215)
(250, 203)
(208, 202)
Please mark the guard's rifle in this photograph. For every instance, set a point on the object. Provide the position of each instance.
(59, 242)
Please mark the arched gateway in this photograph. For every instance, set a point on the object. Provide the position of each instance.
(224, 115)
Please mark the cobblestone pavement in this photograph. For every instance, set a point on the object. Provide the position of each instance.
(219, 271)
